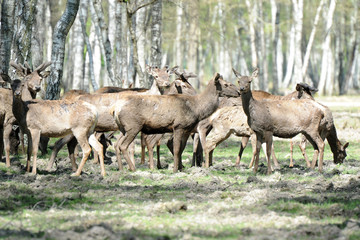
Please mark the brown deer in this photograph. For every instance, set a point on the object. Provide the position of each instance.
(103, 102)
(33, 78)
(54, 118)
(286, 119)
(231, 119)
(176, 113)
(179, 86)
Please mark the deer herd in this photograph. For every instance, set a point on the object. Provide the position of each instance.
(211, 116)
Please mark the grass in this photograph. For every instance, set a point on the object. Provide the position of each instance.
(221, 202)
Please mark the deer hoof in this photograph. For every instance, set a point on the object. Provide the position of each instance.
(75, 174)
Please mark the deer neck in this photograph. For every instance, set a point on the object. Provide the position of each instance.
(154, 90)
(247, 102)
(208, 101)
(333, 141)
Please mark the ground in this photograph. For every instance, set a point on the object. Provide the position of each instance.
(223, 202)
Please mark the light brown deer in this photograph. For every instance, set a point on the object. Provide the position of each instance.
(286, 119)
(33, 78)
(54, 118)
(175, 113)
(179, 86)
(103, 102)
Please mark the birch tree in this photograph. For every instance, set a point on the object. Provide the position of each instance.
(298, 23)
(311, 39)
(325, 68)
(6, 33)
(25, 15)
(58, 48)
(156, 16)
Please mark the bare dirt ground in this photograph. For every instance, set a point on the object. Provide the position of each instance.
(222, 202)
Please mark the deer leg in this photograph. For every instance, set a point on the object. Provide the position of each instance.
(257, 153)
(22, 142)
(86, 150)
(158, 155)
(269, 145)
(150, 147)
(291, 153)
(97, 147)
(43, 145)
(1, 139)
(143, 140)
(276, 163)
(71, 144)
(117, 151)
(176, 148)
(253, 146)
(302, 146)
(124, 145)
(196, 141)
(57, 147)
(244, 141)
(35, 136)
(6, 142)
(96, 154)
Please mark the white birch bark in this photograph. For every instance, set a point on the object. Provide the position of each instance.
(311, 39)
(252, 25)
(326, 48)
(7, 31)
(178, 35)
(78, 52)
(298, 23)
(290, 59)
(140, 35)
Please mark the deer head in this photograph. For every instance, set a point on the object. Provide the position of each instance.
(340, 154)
(161, 75)
(305, 91)
(224, 88)
(182, 84)
(245, 81)
(33, 78)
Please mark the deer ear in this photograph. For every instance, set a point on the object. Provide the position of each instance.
(255, 73)
(237, 74)
(346, 145)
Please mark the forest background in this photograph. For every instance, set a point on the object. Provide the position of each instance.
(94, 43)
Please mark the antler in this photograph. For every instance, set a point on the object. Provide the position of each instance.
(184, 76)
(42, 66)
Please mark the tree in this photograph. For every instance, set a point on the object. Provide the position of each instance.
(6, 33)
(58, 49)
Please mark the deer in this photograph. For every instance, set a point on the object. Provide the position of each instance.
(231, 119)
(175, 113)
(103, 102)
(55, 118)
(286, 119)
(33, 78)
(179, 86)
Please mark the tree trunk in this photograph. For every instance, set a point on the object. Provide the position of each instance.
(39, 34)
(156, 16)
(275, 19)
(263, 60)
(103, 36)
(326, 48)
(311, 39)
(193, 40)
(298, 23)
(78, 49)
(252, 9)
(6, 34)
(178, 35)
(25, 13)
(58, 50)
(140, 36)
(291, 58)
(89, 67)
(123, 46)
